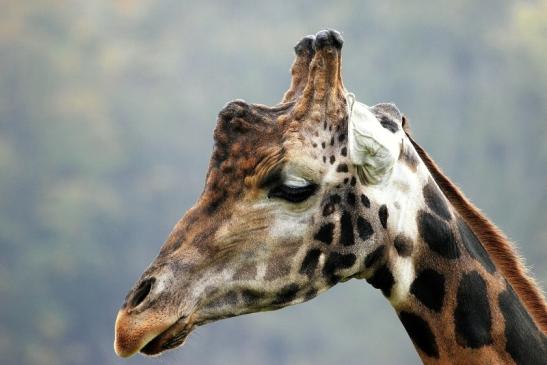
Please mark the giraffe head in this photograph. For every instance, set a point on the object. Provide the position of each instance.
(294, 202)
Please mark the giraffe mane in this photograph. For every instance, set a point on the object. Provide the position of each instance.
(496, 243)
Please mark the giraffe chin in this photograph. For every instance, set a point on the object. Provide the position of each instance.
(171, 338)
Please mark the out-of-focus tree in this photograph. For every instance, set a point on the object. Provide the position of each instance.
(106, 114)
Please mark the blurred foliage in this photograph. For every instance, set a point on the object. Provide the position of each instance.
(106, 117)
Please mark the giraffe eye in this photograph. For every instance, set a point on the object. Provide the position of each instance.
(293, 194)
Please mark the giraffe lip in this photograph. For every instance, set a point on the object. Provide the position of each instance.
(172, 337)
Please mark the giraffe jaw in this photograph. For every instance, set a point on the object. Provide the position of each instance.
(174, 336)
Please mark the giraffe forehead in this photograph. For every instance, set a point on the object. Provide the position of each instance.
(247, 144)
(244, 134)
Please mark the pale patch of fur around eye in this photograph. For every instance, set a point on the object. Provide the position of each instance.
(287, 224)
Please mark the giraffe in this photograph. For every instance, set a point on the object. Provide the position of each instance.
(320, 189)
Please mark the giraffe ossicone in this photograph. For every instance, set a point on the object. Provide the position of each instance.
(320, 189)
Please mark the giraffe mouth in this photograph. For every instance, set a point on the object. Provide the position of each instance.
(172, 337)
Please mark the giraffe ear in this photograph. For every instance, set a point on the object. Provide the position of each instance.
(373, 148)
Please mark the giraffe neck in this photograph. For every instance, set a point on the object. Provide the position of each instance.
(454, 303)
(460, 309)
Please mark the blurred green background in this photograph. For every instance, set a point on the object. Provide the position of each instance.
(106, 117)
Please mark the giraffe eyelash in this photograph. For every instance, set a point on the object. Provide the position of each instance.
(293, 194)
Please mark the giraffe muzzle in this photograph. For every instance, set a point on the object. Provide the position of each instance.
(149, 337)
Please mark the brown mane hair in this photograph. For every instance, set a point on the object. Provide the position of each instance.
(496, 243)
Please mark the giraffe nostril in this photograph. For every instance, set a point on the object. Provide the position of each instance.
(142, 292)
